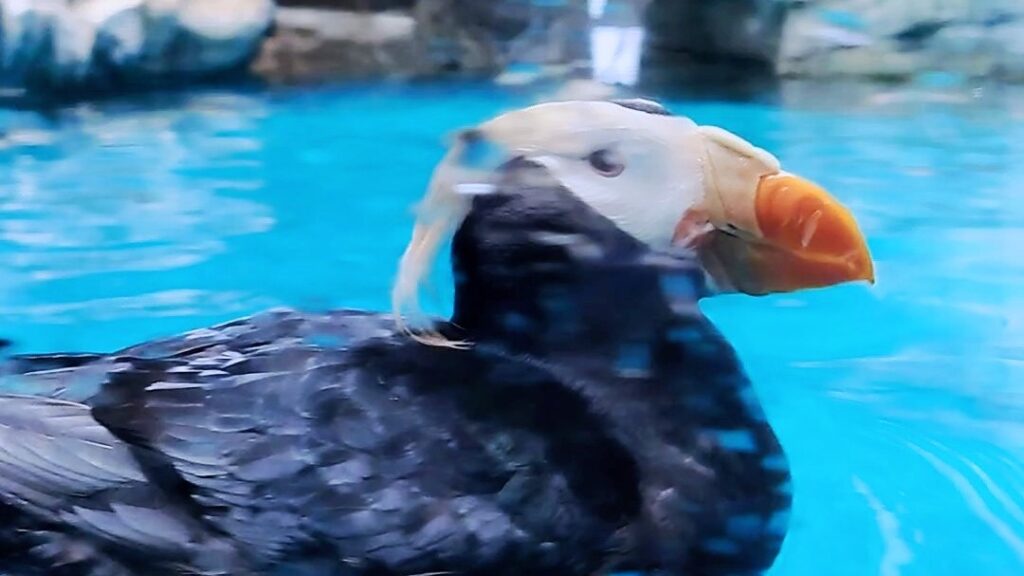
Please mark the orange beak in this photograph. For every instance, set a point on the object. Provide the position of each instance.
(791, 235)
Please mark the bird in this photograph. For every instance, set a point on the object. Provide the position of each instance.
(576, 415)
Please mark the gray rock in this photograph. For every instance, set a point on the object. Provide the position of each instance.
(77, 46)
(312, 44)
(326, 39)
(1008, 59)
(483, 36)
(828, 47)
(965, 48)
(807, 35)
(717, 31)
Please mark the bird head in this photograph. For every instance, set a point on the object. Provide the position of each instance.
(664, 180)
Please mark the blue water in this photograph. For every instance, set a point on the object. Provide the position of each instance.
(901, 405)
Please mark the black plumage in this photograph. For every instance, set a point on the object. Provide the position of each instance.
(598, 423)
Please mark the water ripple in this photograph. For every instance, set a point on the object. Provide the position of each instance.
(897, 552)
(1009, 534)
(163, 304)
(126, 221)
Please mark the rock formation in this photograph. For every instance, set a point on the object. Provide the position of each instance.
(86, 45)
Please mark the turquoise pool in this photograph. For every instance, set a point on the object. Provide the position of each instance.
(901, 405)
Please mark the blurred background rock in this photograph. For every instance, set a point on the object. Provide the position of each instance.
(900, 39)
(80, 47)
(72, 46)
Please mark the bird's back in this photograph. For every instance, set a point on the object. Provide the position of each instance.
(269, 446)
(77, 376)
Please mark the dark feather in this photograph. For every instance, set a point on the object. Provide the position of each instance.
(575, 436)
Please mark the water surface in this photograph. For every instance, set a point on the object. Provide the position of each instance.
(901, 405)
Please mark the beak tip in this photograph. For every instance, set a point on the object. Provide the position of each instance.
(861, 264)
(809, 239)
(867, 263)
(871, 278)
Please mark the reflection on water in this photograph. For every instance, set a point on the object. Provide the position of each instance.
(198, 208)
(105, 193)
(896, 552)
(900, 405)
(94, 195)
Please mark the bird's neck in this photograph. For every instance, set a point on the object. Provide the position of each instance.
(627, 315)
(626, 333)
(558, 296)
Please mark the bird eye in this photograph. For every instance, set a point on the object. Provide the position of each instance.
(606, 162)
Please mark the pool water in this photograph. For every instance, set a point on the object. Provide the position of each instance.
(901, 405)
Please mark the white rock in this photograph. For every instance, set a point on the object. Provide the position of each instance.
(99, 11)
(26, 27)
(126, 32)
(223, 33)
(158, 8)
(59, 43)
(117, 26)
(161, 28)
(240, 21)
(73, 40)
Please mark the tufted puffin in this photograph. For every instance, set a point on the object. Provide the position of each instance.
(577, 414)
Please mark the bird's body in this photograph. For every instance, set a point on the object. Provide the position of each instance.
(572, 438)
(577, 415)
